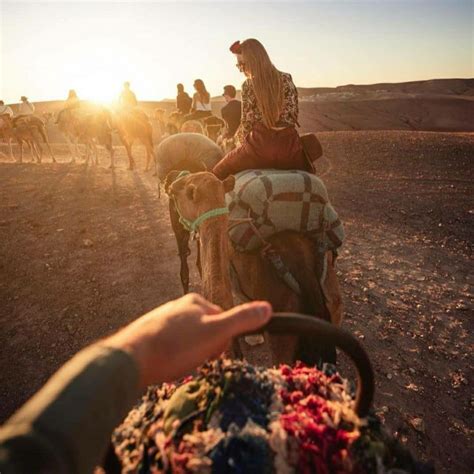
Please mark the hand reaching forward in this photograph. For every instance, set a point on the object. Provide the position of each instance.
(173, 339)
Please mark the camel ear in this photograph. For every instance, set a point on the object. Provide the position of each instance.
(169, 180)
(191, 192)
(229, 184)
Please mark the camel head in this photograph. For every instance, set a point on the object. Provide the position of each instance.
(47, 117)
(197, 193)
(196, 196)
(176, 119)
(159, 115)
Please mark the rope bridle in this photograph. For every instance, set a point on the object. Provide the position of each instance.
(193, 226)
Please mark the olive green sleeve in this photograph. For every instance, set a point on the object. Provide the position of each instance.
(66, 426)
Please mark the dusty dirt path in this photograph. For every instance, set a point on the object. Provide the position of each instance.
(85, 250)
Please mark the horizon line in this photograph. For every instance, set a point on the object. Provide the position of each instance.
(298, 87)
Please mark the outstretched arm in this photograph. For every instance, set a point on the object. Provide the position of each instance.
(66, 426)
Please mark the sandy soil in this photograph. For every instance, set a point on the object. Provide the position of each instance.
(84, 250)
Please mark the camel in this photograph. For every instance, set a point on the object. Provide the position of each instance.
(27, 130)
(202, 194)
(175, 120)
(159, 116)
(48, 117)
(209, 126)
(132, 125)
(192, 126)
(91, 125)
(213, 127)
(159, 120)
(6, 136)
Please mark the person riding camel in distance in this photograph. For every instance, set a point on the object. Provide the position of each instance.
(128, 99)
(72, 102)
(201, 107)
(25, 108)
(183, 101)
(232, 111)
(5, 109)
(267, 135)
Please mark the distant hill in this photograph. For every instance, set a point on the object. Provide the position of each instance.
(433, 86)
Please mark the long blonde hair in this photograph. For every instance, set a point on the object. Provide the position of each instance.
(265, 78)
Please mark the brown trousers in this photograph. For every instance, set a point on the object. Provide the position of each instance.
(265, 148)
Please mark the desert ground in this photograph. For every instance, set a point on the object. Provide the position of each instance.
(85, 249)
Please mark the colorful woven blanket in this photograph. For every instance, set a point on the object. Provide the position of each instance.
(236, 418)
(265, 202)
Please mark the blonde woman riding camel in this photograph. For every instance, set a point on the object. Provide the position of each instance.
(267, 134)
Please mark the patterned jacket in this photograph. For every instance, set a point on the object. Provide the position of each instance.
(251, 113)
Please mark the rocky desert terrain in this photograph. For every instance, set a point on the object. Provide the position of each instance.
(85, 249)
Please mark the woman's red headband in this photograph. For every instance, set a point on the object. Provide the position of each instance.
(236, 48)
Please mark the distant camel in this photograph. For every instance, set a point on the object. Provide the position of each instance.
(174, 122)
(192, 126)
(209, 126)
(6, 136)
(159, 115)
(27, 130)
(159, 121)
(131, 125)
(91, 125)
(22, 135)
(213, 127)
(48, 117)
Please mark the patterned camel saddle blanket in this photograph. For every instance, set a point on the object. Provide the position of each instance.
(265, 202)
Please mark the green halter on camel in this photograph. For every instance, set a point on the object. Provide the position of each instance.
(193, 226)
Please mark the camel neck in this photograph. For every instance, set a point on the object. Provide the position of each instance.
(215, 261)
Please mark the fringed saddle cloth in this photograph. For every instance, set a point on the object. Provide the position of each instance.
(265, 202)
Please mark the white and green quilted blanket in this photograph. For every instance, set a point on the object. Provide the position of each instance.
(265, 202)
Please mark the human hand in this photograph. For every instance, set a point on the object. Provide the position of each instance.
(173, 339)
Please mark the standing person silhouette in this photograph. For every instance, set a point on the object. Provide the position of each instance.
(267, 134)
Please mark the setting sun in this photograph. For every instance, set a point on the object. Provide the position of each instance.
(99, 86)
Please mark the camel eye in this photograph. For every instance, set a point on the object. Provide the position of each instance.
(191, 192)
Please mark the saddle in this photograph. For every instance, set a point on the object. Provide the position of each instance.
(266, 202)
(22, 120)
(312, 148)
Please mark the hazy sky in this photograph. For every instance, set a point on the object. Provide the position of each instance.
(49, 47)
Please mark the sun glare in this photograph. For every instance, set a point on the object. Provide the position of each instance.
(99, 86)
(104, 85)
